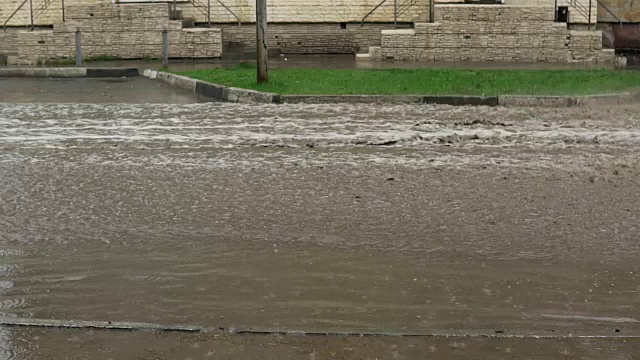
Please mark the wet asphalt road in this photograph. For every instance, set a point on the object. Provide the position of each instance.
(402, 219)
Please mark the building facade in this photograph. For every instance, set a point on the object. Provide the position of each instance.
(510, 30)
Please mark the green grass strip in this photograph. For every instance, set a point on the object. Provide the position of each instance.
(425, 81)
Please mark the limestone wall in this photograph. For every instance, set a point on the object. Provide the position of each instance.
(132, 31)
(312, 11)
(286, 11)
(493, 33)
(305, 38)
(8, 42)
(42, 16)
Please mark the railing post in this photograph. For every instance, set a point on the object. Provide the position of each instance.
(555, 10)
(395, 13)
(63, 19)
(209, 13)
(165, 49)
(78, 48)
(31, 13)
(432, 13)
(589, 14)
(175, 10)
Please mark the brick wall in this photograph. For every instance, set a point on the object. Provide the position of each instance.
(131, 31)
(492, 33)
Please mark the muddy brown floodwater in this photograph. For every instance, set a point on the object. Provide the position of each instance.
(451, 222)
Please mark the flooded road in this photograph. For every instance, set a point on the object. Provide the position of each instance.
(421, 220)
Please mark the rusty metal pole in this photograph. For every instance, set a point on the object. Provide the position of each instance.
(208, 13)
(555, 10)
(261, 41)
(395, 13)
(31, 13)
(175, 10)
(63, 19)
(590, 14)
(432, 12)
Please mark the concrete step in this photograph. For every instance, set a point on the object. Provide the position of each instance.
(188, 23)
(178, 15)
(8, 59)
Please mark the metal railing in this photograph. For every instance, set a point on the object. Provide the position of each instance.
(16, 11)
(372, 11)
(398, 10)
(610, 12)
(586, 10)
(205, 9)
(33, 14)
(583, 9)
(404, 7)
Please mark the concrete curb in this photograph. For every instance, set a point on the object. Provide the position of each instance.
(352, 99)
(70, 72)
(112, 72)
(214, 91)
(392, 99)
(44, 72)
(568, 101)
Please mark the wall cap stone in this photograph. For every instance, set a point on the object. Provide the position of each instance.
(399, 32)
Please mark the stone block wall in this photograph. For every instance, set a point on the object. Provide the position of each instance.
(311, 11)
(284, 11)
(493, 33)
(47, 16)
(120, 31)
(8, 42)
(305, 38)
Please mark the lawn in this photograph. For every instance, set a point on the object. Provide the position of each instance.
(429, 81)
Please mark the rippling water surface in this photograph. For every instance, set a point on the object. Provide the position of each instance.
(341, 217)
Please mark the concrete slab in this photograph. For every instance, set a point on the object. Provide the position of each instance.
(86, 90)
(352, 99)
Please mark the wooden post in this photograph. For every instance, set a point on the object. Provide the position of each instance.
(261, 37)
